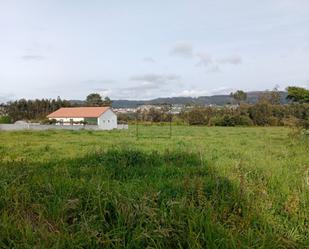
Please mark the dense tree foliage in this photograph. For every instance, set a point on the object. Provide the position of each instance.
(160, 114)
(239, 96)
(107, 101)
(260, 114)
(266, 112)
(298, 94)
(5, 119)
(95, 99)
(34, 109)
(38, 109)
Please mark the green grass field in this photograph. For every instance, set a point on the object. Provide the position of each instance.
(207, 187)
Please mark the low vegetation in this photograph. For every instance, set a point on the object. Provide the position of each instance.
(267, 110)
(5, 119)
(204, 188)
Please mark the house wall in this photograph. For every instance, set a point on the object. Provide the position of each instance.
(66, 121)
(108, 120)
(19, 127)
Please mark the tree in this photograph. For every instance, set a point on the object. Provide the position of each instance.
(154, 115)
(271, 97)
(107, 101)
(298, 94)
(275, 96)
(261, 113)
(33, 109)
(198, 116)
(94, 99)
(239, 96)
(5, 120)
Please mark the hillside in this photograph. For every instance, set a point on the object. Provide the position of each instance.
(252, 98)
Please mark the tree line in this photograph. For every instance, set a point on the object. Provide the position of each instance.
(266, 112)
(38, 109)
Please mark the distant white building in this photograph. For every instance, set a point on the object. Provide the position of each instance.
(148, 107)
(103, 117)
(124, 110)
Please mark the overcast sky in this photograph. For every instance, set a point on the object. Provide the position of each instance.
(137, 49)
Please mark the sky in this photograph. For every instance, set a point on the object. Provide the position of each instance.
(137, 49)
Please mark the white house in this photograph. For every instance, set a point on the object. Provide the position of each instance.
(103, 117)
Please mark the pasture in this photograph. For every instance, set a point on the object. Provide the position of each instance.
(206, 187)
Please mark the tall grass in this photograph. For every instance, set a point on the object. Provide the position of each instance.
(213, 195)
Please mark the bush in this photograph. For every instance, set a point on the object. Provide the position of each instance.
(47, 121)
(5, 120)
(273, 121)
(290, 121)
(304, 123)
(245, 120)
(231, 120)
(198, 116)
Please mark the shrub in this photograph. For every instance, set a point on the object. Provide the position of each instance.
(273, 121)
(290, 121)
(231, 120)
(304, 123)
(198, 115)
(5, 120)
(47, 121)
(245, 120)
(260, 113)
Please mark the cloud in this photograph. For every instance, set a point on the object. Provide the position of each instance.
(234, 60)
(148, 86)
(214, 69)
(185, 50)
(98, 82)
(155, 78)
(204, 59)
(103, 91)
(36, 51)
(191, 93)
(143, 90)
(222, 90)
(149, 60)
(144, 86)
(32, 57)
(182, 49)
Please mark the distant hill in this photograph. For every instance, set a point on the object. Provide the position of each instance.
(252, 98)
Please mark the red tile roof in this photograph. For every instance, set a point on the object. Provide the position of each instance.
(78, 112)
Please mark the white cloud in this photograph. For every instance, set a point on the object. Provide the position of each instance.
(147, 86)
(223, 90)
(98, 82)
(32, 57)
(234, 60)
(204, 59)
(149, 60)
(213, 65)
(182, 49)
(214, 69)
(191, 93)
(157, 78)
